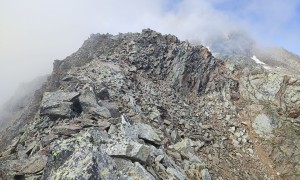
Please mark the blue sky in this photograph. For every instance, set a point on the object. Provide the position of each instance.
(33, 33)
(271, 22)
(278, 22)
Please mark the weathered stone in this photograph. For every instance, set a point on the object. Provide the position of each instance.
(167, 122)
(147, 133)
(141, 131)
(66, 130)
(205, 174)
(30, 166)
(262, 86)
(12, 148)
(183, 145)
(292, 101)
(60, 104)
(132, 170)
(34, 165)
(89, 105)
(129, 149)
(48, 139)
(77, 158)
(176, 174)
(112, 107)
(30, 148)
(104, 124)
(263, 125)
(175, 155)
(103, 94)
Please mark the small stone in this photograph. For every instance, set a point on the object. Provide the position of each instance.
(232, 129)
(103, 94)
(250, 151)
(209, 157)
(205, 174)
(175, 155)
(112, 129)
(239, 154)
(104, 124)
(175, 173)
(235, 143)
(174, 136)
(237, 134)
(159, 158)
(167, 122)
(132, 69)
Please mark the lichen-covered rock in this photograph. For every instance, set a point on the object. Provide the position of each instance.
(263, 125)
(30, 166)
(261, 86)
(141, 131)
(125, 148)
(291, 98)
(34, 165)
(66, 130)
(60, 104)
(132, 170)
(77, 158)
(90, 105)
(273, 88)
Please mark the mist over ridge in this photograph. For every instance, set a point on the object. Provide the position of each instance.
(34, 33)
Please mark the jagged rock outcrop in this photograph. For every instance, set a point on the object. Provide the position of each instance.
(149, 106)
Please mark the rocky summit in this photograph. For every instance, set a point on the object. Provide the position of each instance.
(149, 106)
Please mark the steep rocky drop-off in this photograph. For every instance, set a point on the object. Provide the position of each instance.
(149, 106)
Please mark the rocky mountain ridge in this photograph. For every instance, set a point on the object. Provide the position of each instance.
(149, 106)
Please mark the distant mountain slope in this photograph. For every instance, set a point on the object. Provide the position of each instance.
(16, 105)
(238, 47)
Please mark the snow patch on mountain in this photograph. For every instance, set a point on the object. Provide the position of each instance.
(257, 60)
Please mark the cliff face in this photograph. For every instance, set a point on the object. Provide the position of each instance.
(149, 106)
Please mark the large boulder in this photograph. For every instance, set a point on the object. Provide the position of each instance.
(60, 104)
(263, 125)
(291, 98)
(140, 131)
(128, 149)
(78, 158)
(90, 105)
(133, 170)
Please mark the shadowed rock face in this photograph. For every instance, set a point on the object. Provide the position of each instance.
(149, 106)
